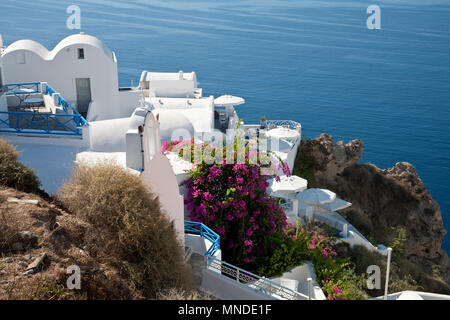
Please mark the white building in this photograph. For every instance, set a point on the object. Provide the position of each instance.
(80, 67)
(170, 84)
(190, 114)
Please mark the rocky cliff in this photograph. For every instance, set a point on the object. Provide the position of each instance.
(392, 206)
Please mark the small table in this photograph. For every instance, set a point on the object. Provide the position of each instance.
(32, 102)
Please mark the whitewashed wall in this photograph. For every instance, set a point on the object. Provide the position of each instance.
(169, 84)
(51, 158)
(129, 101)
(160, 177)
(301, 274)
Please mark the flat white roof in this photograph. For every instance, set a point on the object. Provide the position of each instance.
(151, 76)
(179, 103)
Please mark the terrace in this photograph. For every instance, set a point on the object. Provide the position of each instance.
(37, 109)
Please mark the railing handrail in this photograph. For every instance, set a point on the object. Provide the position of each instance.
(265, 285)
(291, 123)
(12, 86)
(205, 232)
(21, 84)
(37, 113)
(62, 102)
(43, 128)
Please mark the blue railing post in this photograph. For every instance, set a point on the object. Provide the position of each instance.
(206, 233)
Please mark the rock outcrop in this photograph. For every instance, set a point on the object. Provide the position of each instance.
(384, 201)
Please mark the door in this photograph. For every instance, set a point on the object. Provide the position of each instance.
(83, 86)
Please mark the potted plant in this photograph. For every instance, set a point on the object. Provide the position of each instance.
(263, 122)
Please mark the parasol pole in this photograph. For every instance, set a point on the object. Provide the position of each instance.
(389, 250)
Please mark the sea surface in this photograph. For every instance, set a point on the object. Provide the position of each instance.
(311, 61)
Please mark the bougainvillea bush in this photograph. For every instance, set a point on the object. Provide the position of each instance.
(232, 200)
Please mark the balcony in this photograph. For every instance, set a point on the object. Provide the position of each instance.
(37, 109)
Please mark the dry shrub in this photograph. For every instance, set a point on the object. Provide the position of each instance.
(129, 230)
(8, 231)
(13, 173)
(177, 294)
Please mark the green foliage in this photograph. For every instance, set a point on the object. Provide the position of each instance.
(40, 289)
(287, 254)
(398, 244)
(336, 275)
(437, 272)
(407, 282)
(353, 285)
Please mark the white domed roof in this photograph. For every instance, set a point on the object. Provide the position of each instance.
(173, 122)
(44, 53)
(82, 39)
(28, 45)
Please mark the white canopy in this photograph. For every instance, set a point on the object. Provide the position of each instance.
(228, 100)
(336, 204)
(292, 184)
(316, 197)
(409, 295)
(283, 133)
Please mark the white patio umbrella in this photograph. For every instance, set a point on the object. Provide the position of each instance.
(282, 133)
(287, 185)
(287, 188)
(316, 198)
(228, 100)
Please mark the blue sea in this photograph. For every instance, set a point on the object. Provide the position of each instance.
(311, 61)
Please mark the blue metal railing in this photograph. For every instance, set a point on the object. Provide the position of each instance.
(38, 122)
(22, 88)
(49, 90)
(78, 118)
(204, 232)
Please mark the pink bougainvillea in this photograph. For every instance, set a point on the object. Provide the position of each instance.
(232, 200)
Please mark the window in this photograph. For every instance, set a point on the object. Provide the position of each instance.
(80, 53)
